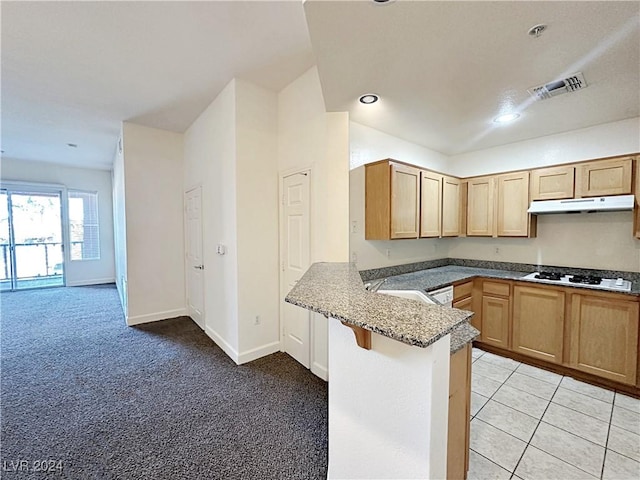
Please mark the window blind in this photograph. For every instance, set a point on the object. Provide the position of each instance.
(84, 233)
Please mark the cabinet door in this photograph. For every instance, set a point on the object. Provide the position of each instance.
(430, 204)
(405, 195)
(513, 202)
(451, 196)
(495, 321)
(605, 177)
(637, 192)
(538, 322)
(604, 337)
(480, 207)
(459, 414)
(552, 183)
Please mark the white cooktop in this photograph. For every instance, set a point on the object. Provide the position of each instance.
(619, 284)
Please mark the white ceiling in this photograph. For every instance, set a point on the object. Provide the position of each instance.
(444, 70)
(72, 71)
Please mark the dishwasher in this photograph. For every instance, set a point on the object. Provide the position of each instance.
(443, 295)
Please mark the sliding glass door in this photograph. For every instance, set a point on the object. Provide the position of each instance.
(31, 239)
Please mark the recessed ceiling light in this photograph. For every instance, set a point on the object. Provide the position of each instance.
(382, 2)
(369, 98)
(506, 118)
(72, 145)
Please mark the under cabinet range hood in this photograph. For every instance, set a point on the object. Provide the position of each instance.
(576, 205)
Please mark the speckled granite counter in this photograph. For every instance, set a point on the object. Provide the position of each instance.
(463, 334)
(336, 290)
(434, 278)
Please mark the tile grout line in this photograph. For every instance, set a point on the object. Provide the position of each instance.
(606, 443)
(536, 429)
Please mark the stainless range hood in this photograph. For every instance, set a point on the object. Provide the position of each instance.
(575, 205)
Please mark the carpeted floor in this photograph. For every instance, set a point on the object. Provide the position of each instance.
(159, 401)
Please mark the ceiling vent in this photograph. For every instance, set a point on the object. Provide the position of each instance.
(558, 87)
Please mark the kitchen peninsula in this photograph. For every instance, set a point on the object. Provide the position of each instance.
(383, 398)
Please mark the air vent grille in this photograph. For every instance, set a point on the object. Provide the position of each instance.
(552, 89)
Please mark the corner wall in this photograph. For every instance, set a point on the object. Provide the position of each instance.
(367, 146)
(599, 241)
(591, 240)
(154, 223)
(209, 156)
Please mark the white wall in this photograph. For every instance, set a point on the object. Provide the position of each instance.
(153, 171)
(369, 145)
(388, 407)
(209, 161)
(599, 240)
(310, 137)
(120, 226)
(257, 220)
(78, 272)
(606, 140)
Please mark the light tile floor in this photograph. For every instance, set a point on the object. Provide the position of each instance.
(531, 424)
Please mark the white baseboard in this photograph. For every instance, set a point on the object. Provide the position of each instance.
(154, 317)
(320, 371)
(94, 281)
(221, 342)
(259, 352)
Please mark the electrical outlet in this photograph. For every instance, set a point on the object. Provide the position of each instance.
(497, 250)
(354, 257)
(257, 320)
(354, 226)
(388, 253)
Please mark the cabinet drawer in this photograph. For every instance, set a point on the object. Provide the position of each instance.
(462, 290)
(495, 288)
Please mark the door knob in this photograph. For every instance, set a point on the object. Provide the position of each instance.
(199, 267)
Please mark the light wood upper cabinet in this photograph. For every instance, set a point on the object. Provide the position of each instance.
(392, 193)
(513, 202)
(604, 337)
(538, 322)
(637, 192)
(430, 204)
(604, 177)
(480, 207)
(552, 183)
(451, 206)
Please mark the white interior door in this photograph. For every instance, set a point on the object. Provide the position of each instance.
(194, 263)
(295, 261)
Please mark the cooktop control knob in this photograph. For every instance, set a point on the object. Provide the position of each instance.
(619, 282)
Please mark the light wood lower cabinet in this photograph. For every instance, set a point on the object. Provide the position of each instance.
(459, 414)
(538, 322)
(496, 318)
(604, 337)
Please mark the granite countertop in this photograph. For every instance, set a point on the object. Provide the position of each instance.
(434, 278)
(438, 277)
(336, 290)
